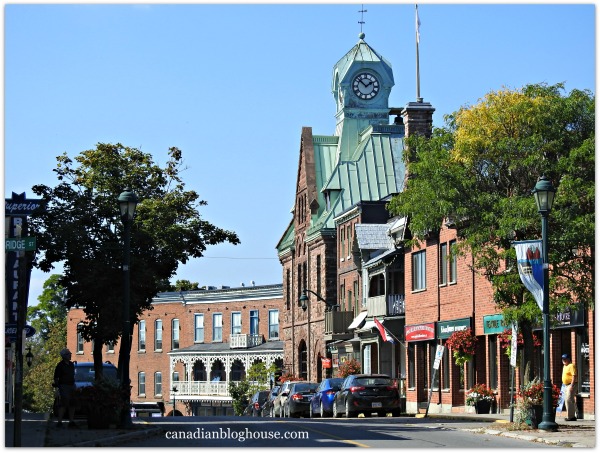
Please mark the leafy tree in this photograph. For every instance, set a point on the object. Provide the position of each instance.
(239, 394)
(80, 225)
(185, 285)
(50, 309)
(38, 393)
(478, 172)
(257, 378)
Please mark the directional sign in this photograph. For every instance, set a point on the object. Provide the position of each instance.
(26, 244)
(10, 330)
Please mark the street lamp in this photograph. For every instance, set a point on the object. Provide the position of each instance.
(544, 197)
(304, 298)
(29, 356)
(174, 390)
(127, 203)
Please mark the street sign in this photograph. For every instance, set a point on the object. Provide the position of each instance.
(439, 353)
(514, 345)
(11, 331)
(26, 244)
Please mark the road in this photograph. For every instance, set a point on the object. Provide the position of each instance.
(385, 432)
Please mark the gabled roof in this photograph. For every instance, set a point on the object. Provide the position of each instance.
(373, 236)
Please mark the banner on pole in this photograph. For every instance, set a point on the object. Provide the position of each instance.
(531, 268)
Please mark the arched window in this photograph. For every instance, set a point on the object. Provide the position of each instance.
(302, 357)
(217, 373)
(238, 372)
(199, 371)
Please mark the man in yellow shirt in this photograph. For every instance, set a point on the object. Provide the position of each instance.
(569, 379)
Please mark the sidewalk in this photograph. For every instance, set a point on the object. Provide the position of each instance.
(580, 433)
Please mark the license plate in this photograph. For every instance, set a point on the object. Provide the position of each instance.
(375, 404)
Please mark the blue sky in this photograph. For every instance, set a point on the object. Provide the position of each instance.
(232, 85)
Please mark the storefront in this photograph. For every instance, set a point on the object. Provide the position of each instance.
(420, 339)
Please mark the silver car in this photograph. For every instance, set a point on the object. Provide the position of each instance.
(281, 398)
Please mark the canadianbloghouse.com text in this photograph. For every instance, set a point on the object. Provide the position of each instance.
(240, 435)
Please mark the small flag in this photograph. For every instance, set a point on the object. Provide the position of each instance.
(385, 336)
(417, 23)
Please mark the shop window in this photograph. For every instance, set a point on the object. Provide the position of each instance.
(411, 365)
(367, 359)
(583, 364)
(493, 360)
(446, 370)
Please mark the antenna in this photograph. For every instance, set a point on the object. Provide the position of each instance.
(362, 16)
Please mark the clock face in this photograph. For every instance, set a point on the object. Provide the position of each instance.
(365, 85)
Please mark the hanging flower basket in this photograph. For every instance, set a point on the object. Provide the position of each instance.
(462, 344)
(506, 341)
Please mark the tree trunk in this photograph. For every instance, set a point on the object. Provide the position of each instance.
(97, 353)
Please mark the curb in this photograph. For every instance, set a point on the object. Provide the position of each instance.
(530, 438)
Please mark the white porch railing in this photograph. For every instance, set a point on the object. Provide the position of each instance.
(392, 305)
(244, 341)
(200, 388)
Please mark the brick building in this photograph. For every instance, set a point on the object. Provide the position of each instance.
(191, 344)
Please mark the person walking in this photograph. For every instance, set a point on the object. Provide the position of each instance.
(64, 380)
(568, 380)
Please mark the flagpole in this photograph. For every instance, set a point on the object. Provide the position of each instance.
(417, 38)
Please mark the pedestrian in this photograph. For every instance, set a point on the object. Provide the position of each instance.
(64, 381)
(569, 379)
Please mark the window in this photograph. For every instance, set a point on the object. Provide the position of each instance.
(492, 361)
(342, 243)
(418, 271)
(443, 265)
(342, 296)
(175, 334)
(453, 262)
(273, 324)
(198, 328)
(175, 376)
(158, 383)
(217, 327)
(142, 336)
(80, 341)
(367, 359)
(349, 238)
(236, 323)
(318, 274)
(411, 365)
(158, 335)
(110, 346)
(253, 322)
(446, 369)
(141, 383)
(356, 309)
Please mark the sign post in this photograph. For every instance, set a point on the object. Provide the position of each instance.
(513, 364)
(439, 353)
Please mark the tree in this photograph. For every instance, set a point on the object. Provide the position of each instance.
(51, 307)
(80, 225)
(256, 380)
(478, 172)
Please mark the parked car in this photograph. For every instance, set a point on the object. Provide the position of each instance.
(85, 375)
(367, 393)
(321, 404)
(279, 401)
(254, 408)
(266, 410)
(298, 401)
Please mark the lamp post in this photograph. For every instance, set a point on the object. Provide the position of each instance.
(127, 204)
(174, 390)
(29, 357)
(544, 197)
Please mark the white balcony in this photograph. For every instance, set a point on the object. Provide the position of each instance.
(390, 305)
(200, 388)
(244, 341)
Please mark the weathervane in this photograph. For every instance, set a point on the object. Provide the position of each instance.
(362, 16)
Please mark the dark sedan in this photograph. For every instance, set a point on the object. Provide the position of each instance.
(321, 404)
(298, 400)
(255, 405)
(367, 393)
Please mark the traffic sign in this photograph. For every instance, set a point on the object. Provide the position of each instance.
(10, 330)
(26, 244)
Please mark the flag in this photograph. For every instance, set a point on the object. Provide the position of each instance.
(531, 268)
(417, 23)
(385, 336)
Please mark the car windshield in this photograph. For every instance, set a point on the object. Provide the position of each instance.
(374, 381)
(305, 388)
(87, 373)
(335, 384)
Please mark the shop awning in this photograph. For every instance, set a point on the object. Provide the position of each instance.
(367, 327)
(356, 322)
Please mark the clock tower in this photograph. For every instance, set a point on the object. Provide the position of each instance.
(361, 85)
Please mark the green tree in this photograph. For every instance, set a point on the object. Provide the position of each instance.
(51, 307)
(80, 225)
(185, 285)
(258, 378)
(478, 173)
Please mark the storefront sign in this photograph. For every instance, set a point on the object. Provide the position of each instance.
(326, 363)
(420, 332)
(447, 328)
(494, 324)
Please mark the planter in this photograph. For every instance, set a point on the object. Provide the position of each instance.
(483, 407)
(534, 417)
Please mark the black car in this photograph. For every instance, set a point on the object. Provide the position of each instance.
(266, 409)
(298, 401)
(367, 393)
(255, 405)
